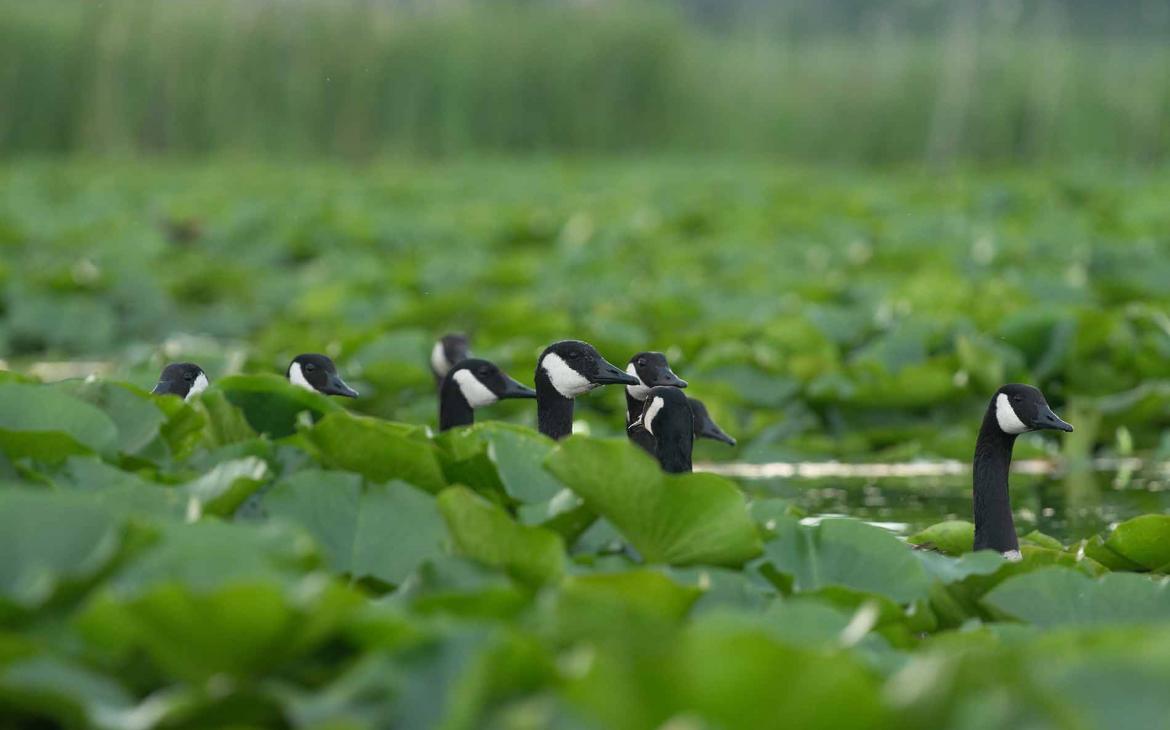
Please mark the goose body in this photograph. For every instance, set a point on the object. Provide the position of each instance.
(471, 384)
(565, 370)
(317, 372)
(1013, 410)
(667, 417)
(184, 379)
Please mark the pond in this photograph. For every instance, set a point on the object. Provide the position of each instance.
(904, 498)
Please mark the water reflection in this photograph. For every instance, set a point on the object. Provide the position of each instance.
(904, 498)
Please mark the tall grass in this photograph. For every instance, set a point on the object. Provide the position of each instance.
(361, 79)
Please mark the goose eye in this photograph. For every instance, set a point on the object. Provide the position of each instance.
(310, 367)
(1018, 398)
(574, 355)
(189, 377)
(484, 371)
(641, 362)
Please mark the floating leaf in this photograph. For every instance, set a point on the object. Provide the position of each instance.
(1057, 596)
(847, 554)
(379, 530)
(1143, 540)
(224, 488)
(46, 424)
(483, 531)
(48, 539)
(677, 519)
(378, 450)
(953, 537)
(271, 404)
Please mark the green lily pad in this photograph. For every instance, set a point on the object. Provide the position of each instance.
(380, 530)
(224, 488)
(47, 539)
(1096, 549)
(953, 537)
(271, 404)
(45, 423)
(675, 519)
(70, 693)
(484, 532)
(377, 450)
(1143, 540)
(495, 458)
(133, 411)
(841, 553)
(1057, 596)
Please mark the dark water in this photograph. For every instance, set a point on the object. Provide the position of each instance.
(1068, 507)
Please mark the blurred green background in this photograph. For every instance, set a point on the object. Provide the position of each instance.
(847, 81)
(846, 222)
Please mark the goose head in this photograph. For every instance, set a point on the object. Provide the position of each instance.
(574, 368)
(184, 379)
(652, 370)
(482, 383)
(1022, 408)
(317, 372)
(447, 353)
(705, 426)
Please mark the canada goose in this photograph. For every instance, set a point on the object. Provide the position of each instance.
(705, 426)
(651, 370)
(1014, 409)
(446, 354)
(667, 417)
(184, 379)
(565, 370)
(317, 372)
(472, 384)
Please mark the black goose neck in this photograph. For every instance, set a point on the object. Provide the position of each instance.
(638, 435)
(994, 527)
(673, 448)
(554, 412)
(454, 410)
(633, 407)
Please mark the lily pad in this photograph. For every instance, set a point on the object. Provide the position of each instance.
(44, 423)
(1143, 540)
(1057, 596)
(953, 537)
(847, 554)
(484, 532)
(676, 519)
(380, 530)
(378, 450)
(48, 539)
(271, 404)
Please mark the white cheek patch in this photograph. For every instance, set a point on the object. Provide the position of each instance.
(639, 391)
(439, 361)
(197, 387)
(474, 392)
(1009, 422)
(1013, 556)
(567, 381)
(651, 413)
(297, 377)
